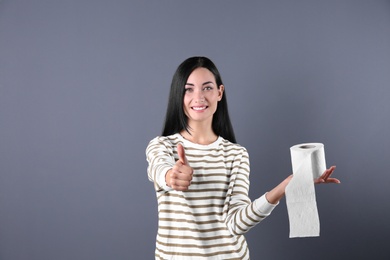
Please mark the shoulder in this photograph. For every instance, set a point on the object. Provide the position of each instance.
(234, 147)
(164, 141)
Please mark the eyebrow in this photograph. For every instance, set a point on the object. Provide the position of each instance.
(207, 82)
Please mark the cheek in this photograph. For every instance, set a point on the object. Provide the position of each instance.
(185, 105)
(215, 99)
(185, 101)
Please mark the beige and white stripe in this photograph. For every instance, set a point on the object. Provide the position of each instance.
(208, 220)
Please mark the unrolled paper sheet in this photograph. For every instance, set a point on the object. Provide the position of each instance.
(308, 163)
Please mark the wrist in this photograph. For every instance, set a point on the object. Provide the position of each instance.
(277, 193)
(168, 178)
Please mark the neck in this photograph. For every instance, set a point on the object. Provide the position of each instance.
(200, 134)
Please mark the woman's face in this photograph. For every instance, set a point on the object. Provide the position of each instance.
(201, 96)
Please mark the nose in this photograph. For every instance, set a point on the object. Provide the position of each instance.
(199, 97)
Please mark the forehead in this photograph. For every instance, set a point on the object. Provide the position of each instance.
(201, 75)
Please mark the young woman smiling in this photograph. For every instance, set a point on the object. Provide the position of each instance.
(201, 175)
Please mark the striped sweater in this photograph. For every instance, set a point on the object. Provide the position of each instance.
(209, 219)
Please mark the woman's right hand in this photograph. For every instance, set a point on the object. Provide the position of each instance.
(180, 176)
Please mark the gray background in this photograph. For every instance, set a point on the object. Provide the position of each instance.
(84, 86)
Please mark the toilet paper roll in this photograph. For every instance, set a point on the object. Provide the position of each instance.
(308, 163)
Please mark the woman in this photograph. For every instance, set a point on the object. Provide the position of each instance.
(201, 175)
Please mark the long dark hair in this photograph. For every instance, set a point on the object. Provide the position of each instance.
(175, 118)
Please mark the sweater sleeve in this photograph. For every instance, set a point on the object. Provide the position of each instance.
(160, 158)
(243, 214)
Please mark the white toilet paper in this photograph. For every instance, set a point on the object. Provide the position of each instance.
(308, 163)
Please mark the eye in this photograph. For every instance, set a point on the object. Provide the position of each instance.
(188, 90)
(207, 88)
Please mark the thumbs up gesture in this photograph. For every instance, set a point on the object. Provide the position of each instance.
(180, 176)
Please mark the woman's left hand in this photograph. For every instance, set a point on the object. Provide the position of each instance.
(325, 177)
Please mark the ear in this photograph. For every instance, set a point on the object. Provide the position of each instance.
(221, 89)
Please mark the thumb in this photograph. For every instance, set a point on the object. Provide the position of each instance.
(182, 155)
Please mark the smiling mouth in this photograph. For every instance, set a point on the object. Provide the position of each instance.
(199, 108)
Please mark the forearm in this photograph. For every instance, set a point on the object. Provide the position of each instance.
(159, 155)
(277, 193)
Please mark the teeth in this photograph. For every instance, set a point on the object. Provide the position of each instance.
(199, 108)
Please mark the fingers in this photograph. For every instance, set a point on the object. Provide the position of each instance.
(327, 173)
(182, 155)
(325, 177)
(333, 180)
(318, 181)
(180, 181)
(181, 175)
